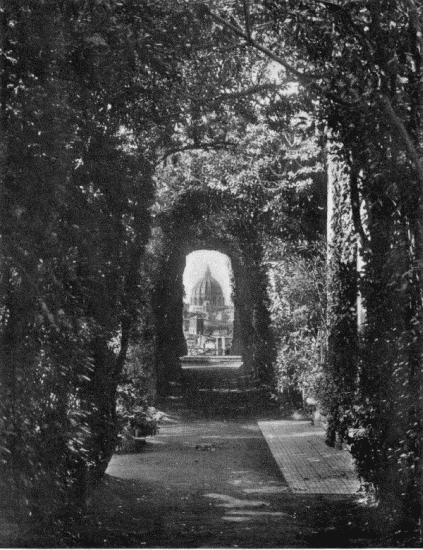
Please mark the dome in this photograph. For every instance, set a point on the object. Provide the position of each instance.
(207, 289)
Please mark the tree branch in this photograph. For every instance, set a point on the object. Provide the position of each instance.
(355, 206)
(305, 79)
(398, 125)
(235, 95)
(247, 19)
(198, 147)
(415, 22)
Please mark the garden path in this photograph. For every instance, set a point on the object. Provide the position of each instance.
(306, 462)
(214, 483)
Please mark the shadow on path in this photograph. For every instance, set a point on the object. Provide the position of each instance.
(213, 484)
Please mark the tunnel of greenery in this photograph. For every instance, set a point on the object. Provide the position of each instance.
(130, 138)
(206, 219)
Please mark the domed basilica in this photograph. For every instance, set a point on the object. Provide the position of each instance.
(208, 322)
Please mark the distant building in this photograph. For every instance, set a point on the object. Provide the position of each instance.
(208, 322)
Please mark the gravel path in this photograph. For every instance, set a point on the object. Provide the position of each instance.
(213, 484)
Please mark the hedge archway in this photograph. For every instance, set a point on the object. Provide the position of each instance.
(206, 220)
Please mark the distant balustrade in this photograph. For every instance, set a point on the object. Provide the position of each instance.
(211, 362)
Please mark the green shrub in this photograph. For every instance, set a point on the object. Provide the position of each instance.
(135, 419)
(298, 298)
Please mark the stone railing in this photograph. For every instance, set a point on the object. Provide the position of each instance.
(211, 362)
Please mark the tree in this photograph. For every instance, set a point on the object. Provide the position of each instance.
(269, 184)
(86, 92)
(362, 63)
(298, 297)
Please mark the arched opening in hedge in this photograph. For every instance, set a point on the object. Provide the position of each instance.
(205, 221)
(208, 313)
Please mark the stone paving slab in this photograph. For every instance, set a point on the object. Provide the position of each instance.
(308, 465)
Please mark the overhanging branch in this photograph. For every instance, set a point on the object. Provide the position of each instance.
(311, 80)
(415, 23)
(355, 206)
(217, 145)
(304, 78)
(247, 19)
(235, 95)
(401, 131)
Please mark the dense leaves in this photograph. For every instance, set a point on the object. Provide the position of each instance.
(298, 297)
(361, 64)
(365, 63)
(100, 101)
(87, 88)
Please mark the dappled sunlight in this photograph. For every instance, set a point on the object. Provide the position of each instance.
(264, 490)
(253, 428)
(256, 513)
(232, 502)
(248, 483)
(231, 437)
(238, 519)
(238, 512)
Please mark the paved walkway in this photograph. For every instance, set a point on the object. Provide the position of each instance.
(210, 483)
(213, 483)
(309, 465)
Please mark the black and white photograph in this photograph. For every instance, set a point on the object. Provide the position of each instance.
(211, 274)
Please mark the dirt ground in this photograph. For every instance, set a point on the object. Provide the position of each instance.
(209, 483)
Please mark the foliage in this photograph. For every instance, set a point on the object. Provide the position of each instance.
(268, 179)
(134, 417)
(298, 297)
(85, 96)
(274, 168)
(362, 65)
(140, 363)
(102, 100)
(204, 218)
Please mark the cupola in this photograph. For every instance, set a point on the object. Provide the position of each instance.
(207, 289)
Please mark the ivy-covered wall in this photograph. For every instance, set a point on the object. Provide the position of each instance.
(373, 393)
(338, 391)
